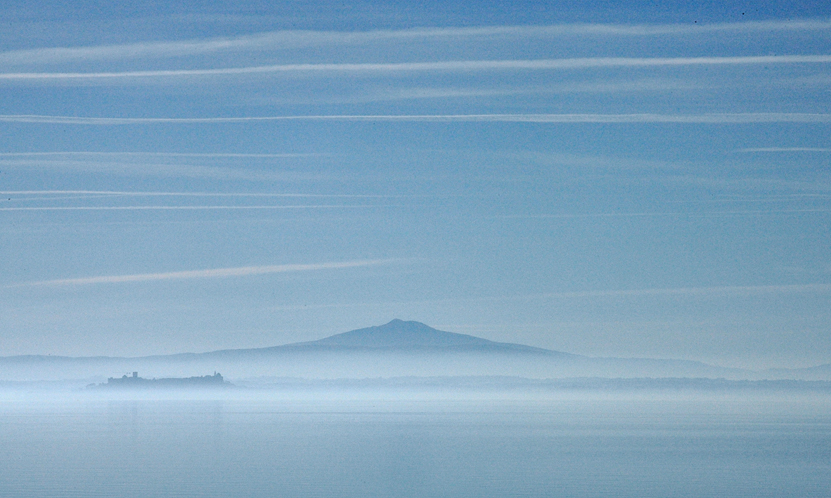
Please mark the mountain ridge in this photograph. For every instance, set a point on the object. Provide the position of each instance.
(397, 348)
(400, 334)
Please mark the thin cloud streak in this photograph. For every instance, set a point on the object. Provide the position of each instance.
(711, 118)
(726, 290)
(161, 154)
(660, 214)
(163, 169)
(211, 273)
(119, 193)
(439, 66)
(681, 291)
(693, 291)
(282, 40)
(786, 149)
(436, 93)
(191, 208)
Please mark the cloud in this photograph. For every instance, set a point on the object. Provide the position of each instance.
(288, 40)
(162, 154)
(693, 291)
(191, 208)
(726, 290)
(710, 118)
(211, 273)
(785, 149)
(748, 184)
(692, 214)
(434, 66)
(383, 93)
(162, 169)
(736, 291)
(47, 194)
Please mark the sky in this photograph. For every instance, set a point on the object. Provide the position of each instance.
(607, 178)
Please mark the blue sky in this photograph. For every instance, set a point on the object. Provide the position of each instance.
(610, 180)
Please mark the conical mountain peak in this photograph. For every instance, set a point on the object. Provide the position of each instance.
(410, 335)
(401, 334)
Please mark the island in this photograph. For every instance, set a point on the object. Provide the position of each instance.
(134, 381)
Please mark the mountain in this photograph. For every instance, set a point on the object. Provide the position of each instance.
(396, 349)
(819, 372)
(400, 335)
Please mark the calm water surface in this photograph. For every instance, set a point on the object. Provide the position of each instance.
(386, 445)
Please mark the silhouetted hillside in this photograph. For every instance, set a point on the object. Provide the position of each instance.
(410, 335)
(396, 349)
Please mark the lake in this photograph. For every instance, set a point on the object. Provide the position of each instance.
(342, 444)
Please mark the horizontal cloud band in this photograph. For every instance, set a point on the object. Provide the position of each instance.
(459, 65)
(693, 291)
(191, 208)
(212, 273)
(669, 213)
(282, 40)
(711, 118)
(139, 193)
(786, 149)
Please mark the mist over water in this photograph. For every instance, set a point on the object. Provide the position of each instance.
(417, 442)
(406, 410)
(611, 212)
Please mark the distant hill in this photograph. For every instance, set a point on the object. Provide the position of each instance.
(396, 349)
(819, 372)
(410, 335)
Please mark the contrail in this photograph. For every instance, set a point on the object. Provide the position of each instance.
(693, 291)
(281, 40)
(126, 193)
(192, 208)
(658, 213)
(710, 118)
(160, 154)
(211, 273)
(439, 66)
(786, 149)
(726, 290)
